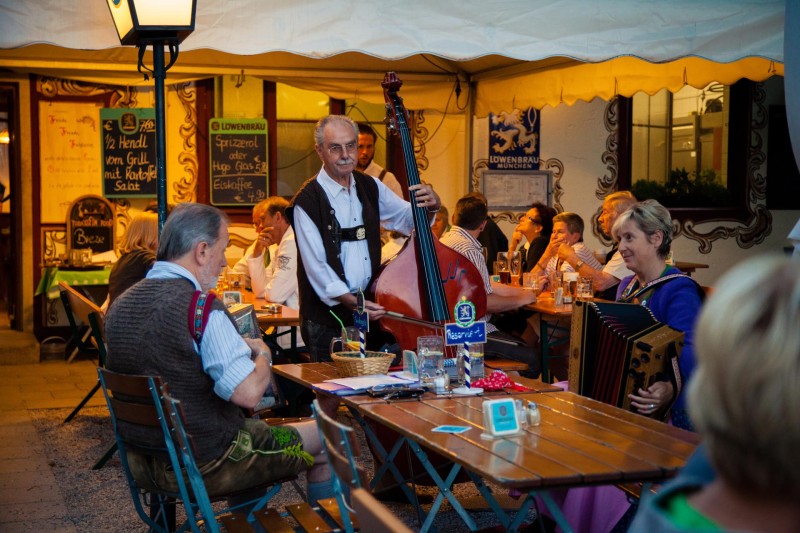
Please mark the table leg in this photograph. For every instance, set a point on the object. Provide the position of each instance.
(544, 343)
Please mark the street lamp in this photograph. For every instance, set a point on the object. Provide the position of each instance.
(161, 23)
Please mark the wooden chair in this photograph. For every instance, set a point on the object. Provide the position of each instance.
(373, 515)
(78, 307)
(143, 402)
(341, 449)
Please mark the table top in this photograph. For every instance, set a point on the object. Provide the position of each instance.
(307, 374)
(688, 266)
(48, 284)
(546, 305)
(580, 441)
(286, 316)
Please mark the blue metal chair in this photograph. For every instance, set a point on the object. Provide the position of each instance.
(341, 448)
(143, 401)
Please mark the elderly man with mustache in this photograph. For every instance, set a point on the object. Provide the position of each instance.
(337, 216)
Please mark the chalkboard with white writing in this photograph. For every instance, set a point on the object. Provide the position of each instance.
(238, 150)
(129, 152)
(90, 224)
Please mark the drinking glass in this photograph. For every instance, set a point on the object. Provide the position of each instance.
(530, 280)
(585, 288)
(504, 267)
(349, 341)
(430, 358)
(515, 266)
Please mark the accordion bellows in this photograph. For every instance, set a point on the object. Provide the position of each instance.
(617, 348)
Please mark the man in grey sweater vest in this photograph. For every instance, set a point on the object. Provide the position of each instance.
(210, 368)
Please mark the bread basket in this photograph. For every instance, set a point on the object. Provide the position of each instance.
(352, 364)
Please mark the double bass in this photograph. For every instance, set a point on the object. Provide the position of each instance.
(423, 283)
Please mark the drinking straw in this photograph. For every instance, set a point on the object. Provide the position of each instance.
(337, 318)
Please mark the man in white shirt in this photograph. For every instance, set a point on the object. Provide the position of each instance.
(605, 279)
(366, 162)
(280, 276)
(337, 217)
(253, 263)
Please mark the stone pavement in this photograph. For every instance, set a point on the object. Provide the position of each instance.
(30, 499)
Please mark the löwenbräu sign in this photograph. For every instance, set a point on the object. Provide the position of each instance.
(238, 150)
(129, 152)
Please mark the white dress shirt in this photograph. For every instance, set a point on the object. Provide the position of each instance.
(394, 213)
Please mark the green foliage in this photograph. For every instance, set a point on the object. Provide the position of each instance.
(685, 189)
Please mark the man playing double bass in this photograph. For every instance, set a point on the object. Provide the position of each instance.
(337, 217)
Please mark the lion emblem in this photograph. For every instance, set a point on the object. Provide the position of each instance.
(513, 132)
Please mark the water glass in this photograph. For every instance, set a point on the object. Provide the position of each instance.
(585, 288)
(530, 280)
(430, 358)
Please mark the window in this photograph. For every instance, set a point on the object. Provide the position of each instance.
(678, 149)
(679, 145)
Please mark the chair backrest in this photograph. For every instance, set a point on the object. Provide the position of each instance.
(135, 401)
(373, 515)
(341, 448)
(79, 305)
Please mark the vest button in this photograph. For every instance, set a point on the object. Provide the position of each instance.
(329, 227)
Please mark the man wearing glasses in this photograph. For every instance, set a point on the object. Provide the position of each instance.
(536, 226)
(337, 217)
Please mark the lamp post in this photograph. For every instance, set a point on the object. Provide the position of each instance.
(160, 23)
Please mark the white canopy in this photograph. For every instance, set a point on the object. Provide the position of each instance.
(343, 47)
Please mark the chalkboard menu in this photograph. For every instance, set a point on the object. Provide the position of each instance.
(90, 224)
(238, 150)
(128, 140)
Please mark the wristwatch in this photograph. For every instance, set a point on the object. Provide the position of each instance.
(578, 265)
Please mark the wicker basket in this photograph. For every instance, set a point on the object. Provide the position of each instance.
(351, 364)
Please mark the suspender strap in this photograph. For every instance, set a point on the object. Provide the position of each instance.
(629, 297)
(199, 309)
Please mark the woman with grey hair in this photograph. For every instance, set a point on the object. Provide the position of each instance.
(644, 233)
(743, 399)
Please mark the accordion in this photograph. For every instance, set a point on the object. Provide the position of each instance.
(618, 348)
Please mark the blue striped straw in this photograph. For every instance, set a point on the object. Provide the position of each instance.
(467, 379)
(362, 341)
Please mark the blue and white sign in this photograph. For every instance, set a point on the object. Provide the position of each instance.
(514, 140)
(455, 334)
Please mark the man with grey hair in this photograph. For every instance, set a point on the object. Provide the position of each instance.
(208, 366)
(606, 279)
(337, 216)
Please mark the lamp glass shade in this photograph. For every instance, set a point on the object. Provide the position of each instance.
(138, 20)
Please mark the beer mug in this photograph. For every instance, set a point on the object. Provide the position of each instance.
(349, 341)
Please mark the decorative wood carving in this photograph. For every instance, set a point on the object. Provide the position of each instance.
(186, 187)
(420, 135)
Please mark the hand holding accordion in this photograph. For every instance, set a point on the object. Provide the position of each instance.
(617, 349)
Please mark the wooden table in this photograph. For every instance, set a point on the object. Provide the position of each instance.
(549, 316)
(285, 317)
(580, 442)
(307, 374)
(688, 267)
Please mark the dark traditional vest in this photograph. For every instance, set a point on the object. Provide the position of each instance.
(312, 199)
(147, 332)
